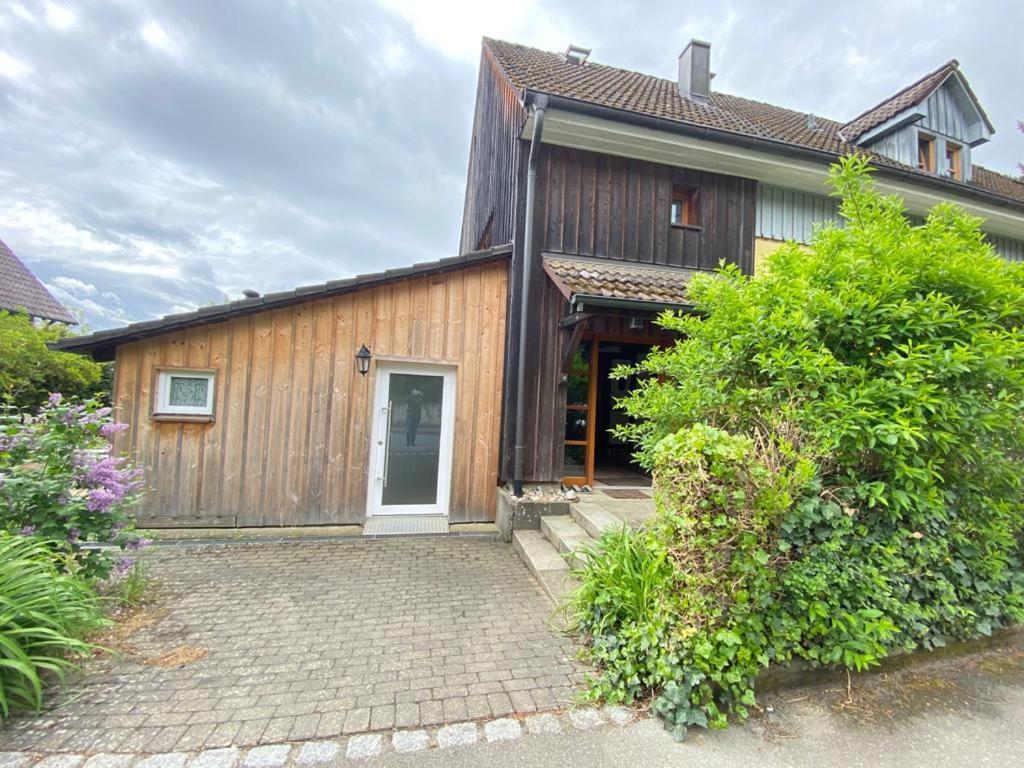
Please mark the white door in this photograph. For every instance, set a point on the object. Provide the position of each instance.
(413, 426)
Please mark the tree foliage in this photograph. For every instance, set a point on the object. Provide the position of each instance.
(30, 371)
(836, 444)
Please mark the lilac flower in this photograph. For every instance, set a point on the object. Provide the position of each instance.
(122, 567)
(101, 499)
(73, 535)
(140, 543)
(28, 530)
(55, 398)
(112, 428)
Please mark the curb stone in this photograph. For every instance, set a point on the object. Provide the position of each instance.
(355, 747)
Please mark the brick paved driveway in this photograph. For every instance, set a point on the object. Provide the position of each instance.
(317, 639)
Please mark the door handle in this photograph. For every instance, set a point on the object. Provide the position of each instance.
(387, 441)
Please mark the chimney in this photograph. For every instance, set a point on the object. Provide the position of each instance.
(695, 71)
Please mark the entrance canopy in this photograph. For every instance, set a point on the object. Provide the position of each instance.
(594, 283)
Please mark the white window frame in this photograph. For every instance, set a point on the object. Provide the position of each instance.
(163, 390)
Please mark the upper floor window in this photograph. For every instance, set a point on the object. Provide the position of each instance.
(684, 207)
(925, 153)
(954, 162)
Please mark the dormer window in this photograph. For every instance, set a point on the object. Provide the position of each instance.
(954, 161)
(926, 152)
(684, 207)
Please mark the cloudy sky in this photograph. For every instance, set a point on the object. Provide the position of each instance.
(159, 155)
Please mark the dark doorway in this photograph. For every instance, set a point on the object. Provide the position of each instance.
(613, 457)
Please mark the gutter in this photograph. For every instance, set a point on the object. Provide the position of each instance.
(771, 146)
(540, 103)
(580, 302)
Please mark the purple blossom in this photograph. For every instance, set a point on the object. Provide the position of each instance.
(55, 398)
(140, 543)
(73, 535)
(112, 428)
(101, 499)
(28, 530)
(122, 567)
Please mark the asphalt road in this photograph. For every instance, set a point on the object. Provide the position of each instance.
(958, 712)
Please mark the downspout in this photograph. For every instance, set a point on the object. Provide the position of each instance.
(540, 103)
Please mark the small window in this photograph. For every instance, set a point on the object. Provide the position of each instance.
(185, 393)
(954, 167)
(925, 153)
(684, 207)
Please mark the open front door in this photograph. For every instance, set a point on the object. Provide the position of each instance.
(411, 460)
(580, 407)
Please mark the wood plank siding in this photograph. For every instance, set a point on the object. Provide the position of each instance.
(611, 207)
(489, 214)
(291, 437)
(602, 206)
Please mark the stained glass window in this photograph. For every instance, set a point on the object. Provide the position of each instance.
(188, 391)
(185, 393)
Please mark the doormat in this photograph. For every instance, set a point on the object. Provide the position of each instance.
(405, 525)
(625, 493)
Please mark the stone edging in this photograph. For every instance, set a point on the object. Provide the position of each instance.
(355, 747)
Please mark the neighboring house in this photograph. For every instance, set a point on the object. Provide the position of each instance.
(593, 196)
(21, 291)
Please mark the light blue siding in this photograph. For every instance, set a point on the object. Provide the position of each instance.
(943, 114)
(785, 214)
(1012, 250)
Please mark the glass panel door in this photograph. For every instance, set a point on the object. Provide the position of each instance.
(413, 453)
(579, 427)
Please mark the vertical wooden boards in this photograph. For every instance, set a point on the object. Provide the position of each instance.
(610, 207)
(289, 444)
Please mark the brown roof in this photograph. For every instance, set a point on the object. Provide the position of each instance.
(618, 279)
(543, 71)
(102, 343)
(21, 291)
(911, 96)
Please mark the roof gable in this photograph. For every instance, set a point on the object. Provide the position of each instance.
(531, 69)
(21, 291)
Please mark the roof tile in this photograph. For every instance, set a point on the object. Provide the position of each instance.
(21, 291)
(547, 72)
(618, 279)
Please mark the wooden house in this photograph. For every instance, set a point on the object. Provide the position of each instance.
(593, 196)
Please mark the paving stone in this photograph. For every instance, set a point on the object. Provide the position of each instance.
(546, 723)
(503, 729)
(215, 758)
(314, 752)
(619, 716)
(385, 653)
(364, 746)
(267, 756)
(357, 720)
(14, 759)
(585, 719)
(166, 760)
(457, 735)
(106, 760)
(410, 741)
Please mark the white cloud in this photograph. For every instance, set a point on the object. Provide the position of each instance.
(158, 37)
(456, 28)
(74, 286)
(11, 67)
(60, 16)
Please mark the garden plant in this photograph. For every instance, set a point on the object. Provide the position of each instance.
(836, 446)
(65, 535)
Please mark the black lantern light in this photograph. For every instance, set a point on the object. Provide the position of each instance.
(363, 360)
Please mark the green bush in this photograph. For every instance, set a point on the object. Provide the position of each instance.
(44, 614)
(30, 371)
(60, 481)
(836, 444)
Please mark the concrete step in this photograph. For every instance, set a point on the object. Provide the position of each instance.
(565, 536)
(544, 562)
(593, 518)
